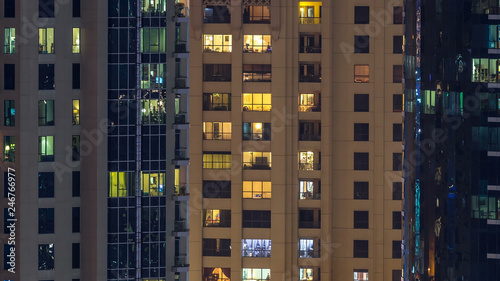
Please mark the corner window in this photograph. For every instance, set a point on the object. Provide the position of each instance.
(46, 113)
(9, 149)
(217, 101)
(9, 40)
(257, 102)
(76, 40)
(257, 160)
(153, 40)
(46, 41)
(361, 73)
(46, 149)
(257, 44)
(257, 189)
(256, 131)
(9, 118)
(256, 14)
(217, 43)
(217, 130)
(76, 112)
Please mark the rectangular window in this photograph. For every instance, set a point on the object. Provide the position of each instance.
(258, 248)
(216, 189)
(121, 184)
(75, 254)
(217, 101)
(361, 190)
(218, 43)
(397, 103)
(76, 76)
(397, 190)
(256, 14)
(216, 247)
(9, 107)
(46, 149)
(361, 161)
(361, 219)
(216, 14)
(75, 183)
(309, 72)
(9, 75)
(153, 184)
(309, 160)
(217, 72)
(361, 14)
(361, 73)
(153, 76)
(256, 131)
(306, 274)
(217, 130)
(76, 40)
(153, 8)
(76, 112)
(361, 275)
(256, 73)
(217, 218)
(361, 102)
(397, 74)
(310, 102)
(216, 274)
(397, 132)
(46, 113)
(309, 189)
(76, 8)
(75, 147)
(309, 131)
(398, 15)
(46, 41)
(309, 12)
(257, 189)
(45, 220)
(9, 40)
(397, 44)
(309, 218)
(153, 111)
(255, 160)
(46, 257)
(46, 79)
(153, 40)
(9, 8)
(397, 161)
(256, 219)
(45, 185)
(361, 44)
(396, 275)
(396, 249)
(9, 149)
(46, 8)
(217, 160)
(75, 223)
(396, 220)
(256, 274)
(309, 248)
(256, 102)
(257, 44)
(361, 131)
(360, 248)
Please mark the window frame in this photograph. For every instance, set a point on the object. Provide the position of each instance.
(9, 44)
(254, 104)
(252, 190)
(225, 163)
(45, 154)
(209, 132)
(257, 72)
(359, 73)
(210, 105)
(46, 113)
(250, 46)
(217, 48)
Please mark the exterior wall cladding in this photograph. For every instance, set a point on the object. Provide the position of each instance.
(452, 163)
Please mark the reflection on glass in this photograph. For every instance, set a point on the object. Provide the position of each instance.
(216, 274)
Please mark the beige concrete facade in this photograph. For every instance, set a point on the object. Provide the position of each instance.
(337, 146)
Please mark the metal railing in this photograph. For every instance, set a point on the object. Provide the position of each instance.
(309, 108)
(310, 20)
(255, 166)
(309, 224)
(181, 154)
(309, 166)
(309, 137)
(310, 78)
(309, 195)
(309, 49)
(309, 254)
(180, 190)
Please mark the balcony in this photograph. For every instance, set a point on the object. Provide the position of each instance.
(180, 264)
(181, 157)
(180, 193)
(180, 86)
(309, 224)
(181, 122)
(180, 229)
(309, 254)
(309, 108)
(310, 78)
(181, 12)
(309, 137)
(309, 50)
(310, 166)
(310, 20)
(263, 165)
(181, 50)
(309, 195)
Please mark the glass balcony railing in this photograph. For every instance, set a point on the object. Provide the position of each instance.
(309, 254)
(309, 49)
(310, 20)
(310, 78)
(310, 166)
(309, 137)
(309, 195)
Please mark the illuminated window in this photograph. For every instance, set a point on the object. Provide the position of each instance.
(257, 44)
(309, 12)
(360, 275)
(9, 40)
(121, 184)
(309, 102)
(257, 160)
(153, 184)
(257, 102)
(256, 274)
(9, 107)
(217, 130)
(217, 101)
(306, 274)
(256, 131)
(46, 149)
(9, 149)
(217, 43)
(217, 160)
(153, 40)
(46, 113)
(256, 14)
(76, 112)
(46, 41)
(309, 248)
(361, 73)
(309, 161)
(259, 248)
(309, 189)
(217, 218)
(153, 111)
(153, 76)
(154, 7)
(75, 146)
(216, 274)
(76, 40)
(257, 189)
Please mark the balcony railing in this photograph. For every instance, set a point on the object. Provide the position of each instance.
(255, 166)
(180, 190)
(180, 261)
(309, 137)
(309, 166)
(309, 254)
(309, 49)
(180, 47)
(180, 82)
(217, 252)
(180, 225)
(309, 224)
(181, 154)
(256, 253)
(180, 119)
(309, 195)
(310, 20)
(309, 108)
(310, 78)
(217, 136)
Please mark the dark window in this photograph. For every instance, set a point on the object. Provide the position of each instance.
(10, 8)
(396, 249)
(309, 131)
(361, 162)
(361, 14)
(45, 220)
(397, 132)
(217, 247)
(9, 107)
(76, 8)
(256, 73)
(76, 184)
(75, 223)
(256, 14)
(361, 190)
(46, 8)
(256, 131)
(398, 14)
(361, 102)
(216, 189)
(397, 44)
(397, 74)
(9, 74)
(361, 44)
(216, 72)
(75, 255)
(396, 220)
(397, 103)
(360, 249)
(397, 190)
(216, 14)
(76, 76)
(256, 219)
(46, 257)
(46, 77)
(397, 162)
(75, 146)
(45, 185)
(217, 101)
(396, 275)
(309, 218)
(360, 219)
(361, 131)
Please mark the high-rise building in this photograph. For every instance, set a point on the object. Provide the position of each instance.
(452, 204)
(94, 103)
(295, 140)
